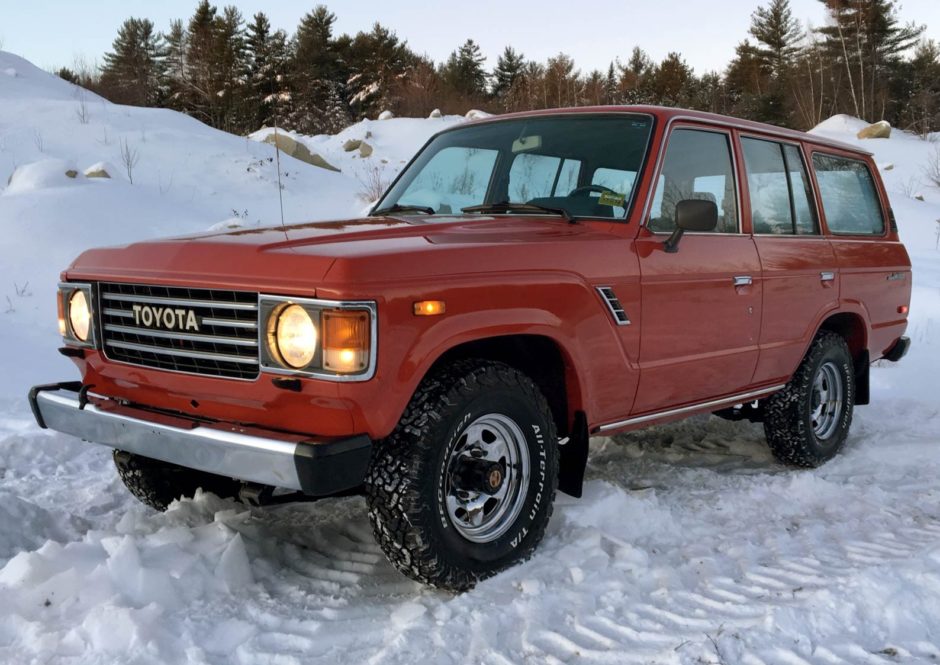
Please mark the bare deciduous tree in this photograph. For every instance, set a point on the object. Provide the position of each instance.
(129, 158)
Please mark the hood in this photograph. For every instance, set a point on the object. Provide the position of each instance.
(301, 256)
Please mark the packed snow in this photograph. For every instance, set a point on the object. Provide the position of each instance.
(691, 545)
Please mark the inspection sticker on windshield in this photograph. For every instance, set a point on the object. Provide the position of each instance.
(612, 199)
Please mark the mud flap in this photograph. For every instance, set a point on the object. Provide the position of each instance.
(573, 457)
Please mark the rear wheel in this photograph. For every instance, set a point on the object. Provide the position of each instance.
(158, 484)
(464, 486)
(808, 421)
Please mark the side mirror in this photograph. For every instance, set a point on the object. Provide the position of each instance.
(692, 215)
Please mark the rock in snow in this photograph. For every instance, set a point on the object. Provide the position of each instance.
(879, 130)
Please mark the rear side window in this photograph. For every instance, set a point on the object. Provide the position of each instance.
(779, 188)
(697, 165)
(849, 198)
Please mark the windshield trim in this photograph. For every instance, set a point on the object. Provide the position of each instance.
(628, 209)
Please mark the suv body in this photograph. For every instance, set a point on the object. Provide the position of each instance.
(615, 314)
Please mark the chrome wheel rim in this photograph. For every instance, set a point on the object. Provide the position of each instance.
(490, 448)
(827, 400)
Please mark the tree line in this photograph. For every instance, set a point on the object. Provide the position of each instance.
(240, 75)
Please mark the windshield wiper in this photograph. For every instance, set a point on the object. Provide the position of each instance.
(402, 208)
(509, 206)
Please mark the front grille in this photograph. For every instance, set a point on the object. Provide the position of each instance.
(210, 331)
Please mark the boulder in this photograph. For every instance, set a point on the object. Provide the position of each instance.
(99, 170)
(436, 113)
(365, 150)
(298, 150)
(386, 115)
(879, 130)
(476, 114)
(71, 173)
(352, 144)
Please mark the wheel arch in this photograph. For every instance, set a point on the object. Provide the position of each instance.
(550, 366)
(853, 328)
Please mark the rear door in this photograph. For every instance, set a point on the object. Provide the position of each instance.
(874, 266)
(701, 305)
(800, 273)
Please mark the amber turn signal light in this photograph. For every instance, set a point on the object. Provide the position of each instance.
(430, 307)
(61, 304)
(346, 341)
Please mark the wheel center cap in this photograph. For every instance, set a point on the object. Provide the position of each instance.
(495, 478)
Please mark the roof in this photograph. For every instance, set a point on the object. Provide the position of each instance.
(668, 114)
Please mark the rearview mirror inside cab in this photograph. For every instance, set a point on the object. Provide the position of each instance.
(692, 215)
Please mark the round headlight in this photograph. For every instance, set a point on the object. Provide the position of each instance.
(295, 336)
(79, 315)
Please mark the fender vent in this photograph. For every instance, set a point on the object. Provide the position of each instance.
(616, 309)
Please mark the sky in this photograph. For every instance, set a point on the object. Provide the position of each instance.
(54, 33)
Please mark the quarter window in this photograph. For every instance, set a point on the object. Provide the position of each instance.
(697, 165)
(779, 188)
(848, 195)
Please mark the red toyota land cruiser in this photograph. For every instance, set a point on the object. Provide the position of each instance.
(528, 281)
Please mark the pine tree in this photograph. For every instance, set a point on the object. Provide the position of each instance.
(635, 78)
(318, 75)
(267, 61)
(509, 67)
(671, 81)
(176, 64)
(464, 71)
(611, 88)
(866, 39)
(746, 81)
(378, 63)
(778, 34)
(133, 71)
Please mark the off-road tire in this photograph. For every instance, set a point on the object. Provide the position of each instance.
(158, 484)
(405, 481)
(788, 413)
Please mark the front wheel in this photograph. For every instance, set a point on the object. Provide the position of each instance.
(464, 486)
(808, 421)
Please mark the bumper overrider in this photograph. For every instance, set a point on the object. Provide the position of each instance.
(318, 467)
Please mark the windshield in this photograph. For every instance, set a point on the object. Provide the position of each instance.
(585, 165)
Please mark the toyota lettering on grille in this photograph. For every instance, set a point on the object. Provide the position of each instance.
(165, 317)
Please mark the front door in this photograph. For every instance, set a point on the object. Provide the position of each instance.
(701, 306)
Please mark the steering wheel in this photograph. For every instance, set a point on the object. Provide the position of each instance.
(584, 190)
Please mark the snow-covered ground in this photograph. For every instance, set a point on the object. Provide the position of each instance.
(690, 546)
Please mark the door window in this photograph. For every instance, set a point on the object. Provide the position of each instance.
(697, 165)
(779, 188)
(848, 195)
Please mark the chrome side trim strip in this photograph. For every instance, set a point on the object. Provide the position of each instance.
(162, 350)
(734, 399)
(218, 304)
(163, 334)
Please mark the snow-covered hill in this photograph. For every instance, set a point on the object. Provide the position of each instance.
(690, 546)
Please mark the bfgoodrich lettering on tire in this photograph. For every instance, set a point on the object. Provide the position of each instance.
(464, 486)
(808, 421)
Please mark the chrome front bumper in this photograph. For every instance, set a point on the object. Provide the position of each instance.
(296, 462)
